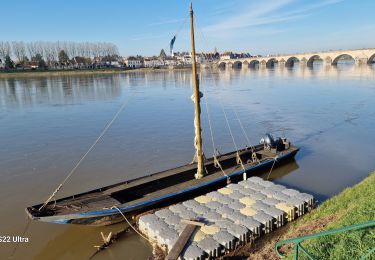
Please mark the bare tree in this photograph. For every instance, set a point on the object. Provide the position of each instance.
(19, 50)
(31, 49)
(4, 49)
(85, 51)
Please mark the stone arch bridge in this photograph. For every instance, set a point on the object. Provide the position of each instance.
(360, 56)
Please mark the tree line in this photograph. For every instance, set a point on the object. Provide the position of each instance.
(55, 54)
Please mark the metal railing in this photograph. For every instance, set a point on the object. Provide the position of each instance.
(298, 240)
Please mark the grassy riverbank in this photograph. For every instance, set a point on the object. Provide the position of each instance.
(352, 206)
(53, 73)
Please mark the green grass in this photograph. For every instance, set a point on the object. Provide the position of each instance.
(352, 206)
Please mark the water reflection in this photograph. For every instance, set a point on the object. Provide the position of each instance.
(24, 92)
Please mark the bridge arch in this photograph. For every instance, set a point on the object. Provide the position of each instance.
(222, 65)
(310, 61)
(271, 63)
(341, 56)
(371, 59)
(237, 65)
(254, 64)
(291, 61)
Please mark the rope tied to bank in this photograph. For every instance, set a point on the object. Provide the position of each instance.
(72, 171)
(131, 226)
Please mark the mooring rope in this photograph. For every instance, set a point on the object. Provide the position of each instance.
(130, 225)
(274, 161)
(23, 235)
(85, 154)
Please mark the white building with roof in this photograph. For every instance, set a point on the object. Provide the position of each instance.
(133, 62)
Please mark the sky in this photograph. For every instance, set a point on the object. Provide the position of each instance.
(146, 26)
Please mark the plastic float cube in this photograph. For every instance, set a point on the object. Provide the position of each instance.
(213, 205)
(266, 220)
(147, 221)
(188, 214)
(200, 210)
(291, 192)
(279, 216)
(224, 211)
(258, 205)
(227, 240)
(190, 204)
(226, 200)
(173, 220)
(164, 213)
(225, 191)
(271, 202)
(192, 252)
(240, 232)
(236, 195)
(277, 187)
(203, 199)
(236, 205)
(309, 200)
(234, 186)
(281, 196)
(290, 210)
(299, 204)
(211, 247)
(253, 225)
(236, 216)
(215, 196)
(247, 201)
(248, 211)
(258, 196)
(212, 216)
(198, 236)
(177, 208)
(269, 193)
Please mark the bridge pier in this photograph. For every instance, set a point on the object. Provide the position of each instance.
(282, 63)
(361, 61)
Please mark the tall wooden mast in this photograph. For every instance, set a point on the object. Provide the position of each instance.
(196, 99)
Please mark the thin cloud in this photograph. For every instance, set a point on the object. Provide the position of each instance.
(264, 14)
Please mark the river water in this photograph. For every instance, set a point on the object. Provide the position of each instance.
(46, 124)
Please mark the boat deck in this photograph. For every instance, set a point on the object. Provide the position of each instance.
(152, 186)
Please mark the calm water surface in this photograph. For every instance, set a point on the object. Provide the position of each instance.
(46, 124)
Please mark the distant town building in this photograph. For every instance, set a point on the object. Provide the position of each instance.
(133, 62)
(153, 62)
(227, 55)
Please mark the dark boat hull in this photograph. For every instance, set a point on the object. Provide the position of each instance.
(110, 215)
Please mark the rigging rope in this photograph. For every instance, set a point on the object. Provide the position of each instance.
(238, 157)
(254, 157)
(84, 156)
(216, 161)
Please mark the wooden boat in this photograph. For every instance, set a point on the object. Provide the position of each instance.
(110, 204)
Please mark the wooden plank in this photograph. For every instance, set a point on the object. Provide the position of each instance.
(191, 222)
(181, 242)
